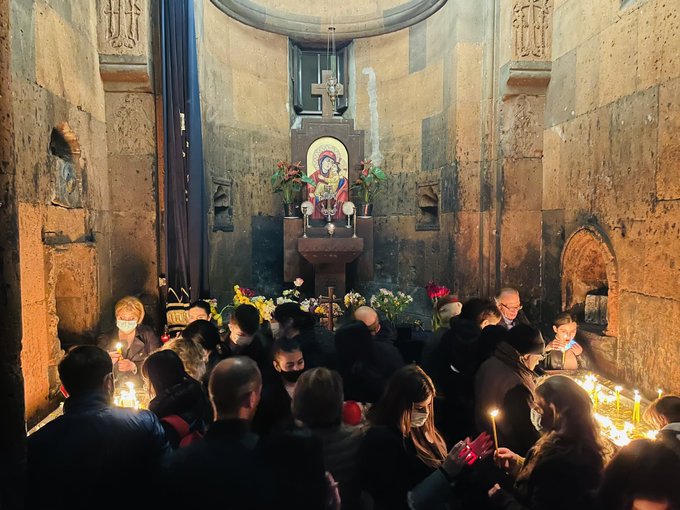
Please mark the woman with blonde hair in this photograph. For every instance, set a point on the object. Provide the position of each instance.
(193, 356)
(402, 446)
(564, 468)
(131, 342)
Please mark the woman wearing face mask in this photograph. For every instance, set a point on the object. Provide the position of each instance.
(563, 470)
(131, 342)
(290, 321)
(402, 447)
(278, 387)
(564, 353)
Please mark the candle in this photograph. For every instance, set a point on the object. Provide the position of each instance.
(659, 393)
(119, 348)
(493, 415)
(636, 408)
(618, 397)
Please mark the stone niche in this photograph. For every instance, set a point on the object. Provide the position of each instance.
(590, 291)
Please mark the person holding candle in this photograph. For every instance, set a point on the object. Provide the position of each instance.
(564, 353)
(664, 415)
(506, 382)
(131, 342)
(562, 471)
(84, 459)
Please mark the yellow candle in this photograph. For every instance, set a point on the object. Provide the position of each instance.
(659, 392)
(636, 408)
(119, 348)
(618, 398)
(493, 415)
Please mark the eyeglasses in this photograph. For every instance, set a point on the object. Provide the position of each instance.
(512, 308)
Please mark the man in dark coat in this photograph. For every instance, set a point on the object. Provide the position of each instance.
(506, 382)
(387, 357)
(510, 306)
(94, 455)
(223, 470)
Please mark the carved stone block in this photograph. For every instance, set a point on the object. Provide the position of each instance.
(532, 29)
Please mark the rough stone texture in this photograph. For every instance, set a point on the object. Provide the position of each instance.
(613, 165)
(12, 426)
(67, 252)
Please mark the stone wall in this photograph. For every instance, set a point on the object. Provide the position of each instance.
(611, 162)
(418, 95)
(72, 193)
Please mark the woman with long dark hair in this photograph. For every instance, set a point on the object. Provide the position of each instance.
(402, 447)
(179, 402)
(564, 468)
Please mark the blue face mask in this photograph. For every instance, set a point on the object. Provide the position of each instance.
(126, 326)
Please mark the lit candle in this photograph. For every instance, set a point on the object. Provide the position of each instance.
(618, 397)
(636, 408)
(119, 348)
(493, 415)
(659, 392)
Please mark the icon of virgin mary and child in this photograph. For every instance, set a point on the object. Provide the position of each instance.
(329, 182)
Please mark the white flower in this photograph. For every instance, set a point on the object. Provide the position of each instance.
(298, 282)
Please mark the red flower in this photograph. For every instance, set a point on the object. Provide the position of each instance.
(247, 292)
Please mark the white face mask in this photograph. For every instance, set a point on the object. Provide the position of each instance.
(536, 418)
(126, 326)
(275, 327)
(240, 340)
(418, 419)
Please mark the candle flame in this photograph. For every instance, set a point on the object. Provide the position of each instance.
(618, 389)
(494, 413)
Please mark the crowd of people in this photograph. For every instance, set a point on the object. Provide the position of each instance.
(275, 414)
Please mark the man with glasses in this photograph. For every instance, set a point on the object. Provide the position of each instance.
(510, 305)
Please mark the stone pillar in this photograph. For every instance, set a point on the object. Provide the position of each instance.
(524, 74)
(12, 426)
(125, 56)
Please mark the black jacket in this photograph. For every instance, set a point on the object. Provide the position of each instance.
(561, 480)
(503, 383)
(92, 451)
(389, 467)
(186, 400)
(273, 411)
(221, 471)
(145, 342)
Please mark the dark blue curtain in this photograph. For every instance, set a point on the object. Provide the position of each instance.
(185, 190)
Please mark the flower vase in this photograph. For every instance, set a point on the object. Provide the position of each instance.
(291, 211)
(365, 210)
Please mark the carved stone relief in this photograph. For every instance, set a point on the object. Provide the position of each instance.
(122, 22)
(532, 29)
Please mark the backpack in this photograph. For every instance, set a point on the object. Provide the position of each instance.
(183, 430)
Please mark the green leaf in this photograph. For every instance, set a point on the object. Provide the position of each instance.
(308, 180)
(377, 171)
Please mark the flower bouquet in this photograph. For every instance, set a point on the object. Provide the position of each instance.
(244, 296)
(288, 180)
(390, 303)
(368, 184)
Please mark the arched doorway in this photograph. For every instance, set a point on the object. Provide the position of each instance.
(589, 268)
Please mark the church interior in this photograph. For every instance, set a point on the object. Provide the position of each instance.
(532, 144)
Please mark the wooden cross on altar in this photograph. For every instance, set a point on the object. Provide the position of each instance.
(330, 300)
(321, 89)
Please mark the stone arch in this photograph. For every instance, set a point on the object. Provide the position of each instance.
(588, 264)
